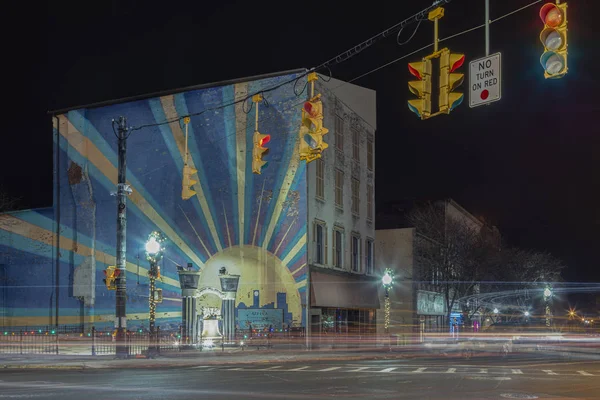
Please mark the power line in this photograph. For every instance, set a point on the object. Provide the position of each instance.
(440, 40)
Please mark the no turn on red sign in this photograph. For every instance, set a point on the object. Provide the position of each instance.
(485, 80)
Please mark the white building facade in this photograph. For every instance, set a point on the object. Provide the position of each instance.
(341, 214)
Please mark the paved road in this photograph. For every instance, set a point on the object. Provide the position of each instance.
(522, 377)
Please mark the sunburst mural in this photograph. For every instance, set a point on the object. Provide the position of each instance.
(255, 225)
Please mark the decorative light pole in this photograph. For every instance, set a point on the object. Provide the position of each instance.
(547, 297)
(388, 281)
(154, 253)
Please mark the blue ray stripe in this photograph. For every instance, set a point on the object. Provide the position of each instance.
(182, 109)
(88, 130)
(230, 123)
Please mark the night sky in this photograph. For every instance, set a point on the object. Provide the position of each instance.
(528, 163)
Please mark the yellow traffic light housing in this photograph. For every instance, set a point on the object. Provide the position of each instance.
(554, 39)
(187, 182)
(421, 88)
(111, 273)
(436, 83)
(449, 80)
(258, 163)
(312, 130)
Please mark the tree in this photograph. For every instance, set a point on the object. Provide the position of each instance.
(451, 254)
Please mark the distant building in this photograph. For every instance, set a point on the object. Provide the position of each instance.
(416, 297)
(279, 230)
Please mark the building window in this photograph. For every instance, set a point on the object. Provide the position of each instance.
(355, 196)
(339, 188)
(339, 133)
(355, 145)
(338, 247)
(320, 181)
(369, 202)
(320, 241)
(370, 154)
(369, 256)
(355, 250)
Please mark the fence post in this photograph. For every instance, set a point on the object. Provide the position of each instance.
(93, 340)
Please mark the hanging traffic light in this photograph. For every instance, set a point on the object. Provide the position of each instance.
(258, 163)
(312, 130)
(449, 80)
(187, 182)
(421, 87)
(111, 273)
(554, 39)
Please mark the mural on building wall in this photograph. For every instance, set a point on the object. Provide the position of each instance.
(254, 225)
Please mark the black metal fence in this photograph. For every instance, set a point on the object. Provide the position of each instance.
(91, 343)
(28, 342)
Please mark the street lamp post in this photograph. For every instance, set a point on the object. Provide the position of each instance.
(154, 253)
(548, 312)
(388, 281)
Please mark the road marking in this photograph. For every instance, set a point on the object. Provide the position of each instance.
(585, 373)
(388, 369)
(358, 369)
(451, 370)
(329, 369)
(298, 369)
(200, 366)
(549, 372)
(516, 371)
(418, 370)
(270, 368)
(483, 370)
(235, 369)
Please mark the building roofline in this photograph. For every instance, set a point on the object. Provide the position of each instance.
(179, 90)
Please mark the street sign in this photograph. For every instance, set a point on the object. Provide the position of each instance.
(485, 80)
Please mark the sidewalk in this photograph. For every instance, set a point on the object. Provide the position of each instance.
(195, 357)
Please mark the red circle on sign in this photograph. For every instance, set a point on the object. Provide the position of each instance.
(484, 94)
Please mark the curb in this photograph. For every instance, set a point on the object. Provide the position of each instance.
(192, 364)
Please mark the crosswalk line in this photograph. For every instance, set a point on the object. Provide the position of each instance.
(549, 372)
(299, 369)
(329, 369)
(270, 368)
(451, 370)
(200, 366)
(235, 369)
(359, 369)
(584, 373)
(419, 370)
(483, 370)
(516, 371)
(388, 369)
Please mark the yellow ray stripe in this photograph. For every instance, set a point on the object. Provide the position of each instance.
(241, 119)
(168, 104)
(262, 192)
(299, 245)
(301, 284)
(34, 232)
(76, 319)
(89, 150)
(285, 188)
(299, 268)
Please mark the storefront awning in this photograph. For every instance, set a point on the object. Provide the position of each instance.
(339, 291)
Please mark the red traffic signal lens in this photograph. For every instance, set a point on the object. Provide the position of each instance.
(265, 140)
(551, 15)
(310, 108)
(414, 72)
(117, 273)
(457, 64)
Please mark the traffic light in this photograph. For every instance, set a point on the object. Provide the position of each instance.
(554, 39)
(111, 273)
(312, 130)
(187, 182)
(422, 88)
(258, 163)
(449, 80)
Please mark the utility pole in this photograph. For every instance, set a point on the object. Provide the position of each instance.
(121, 282)
(487, 27)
